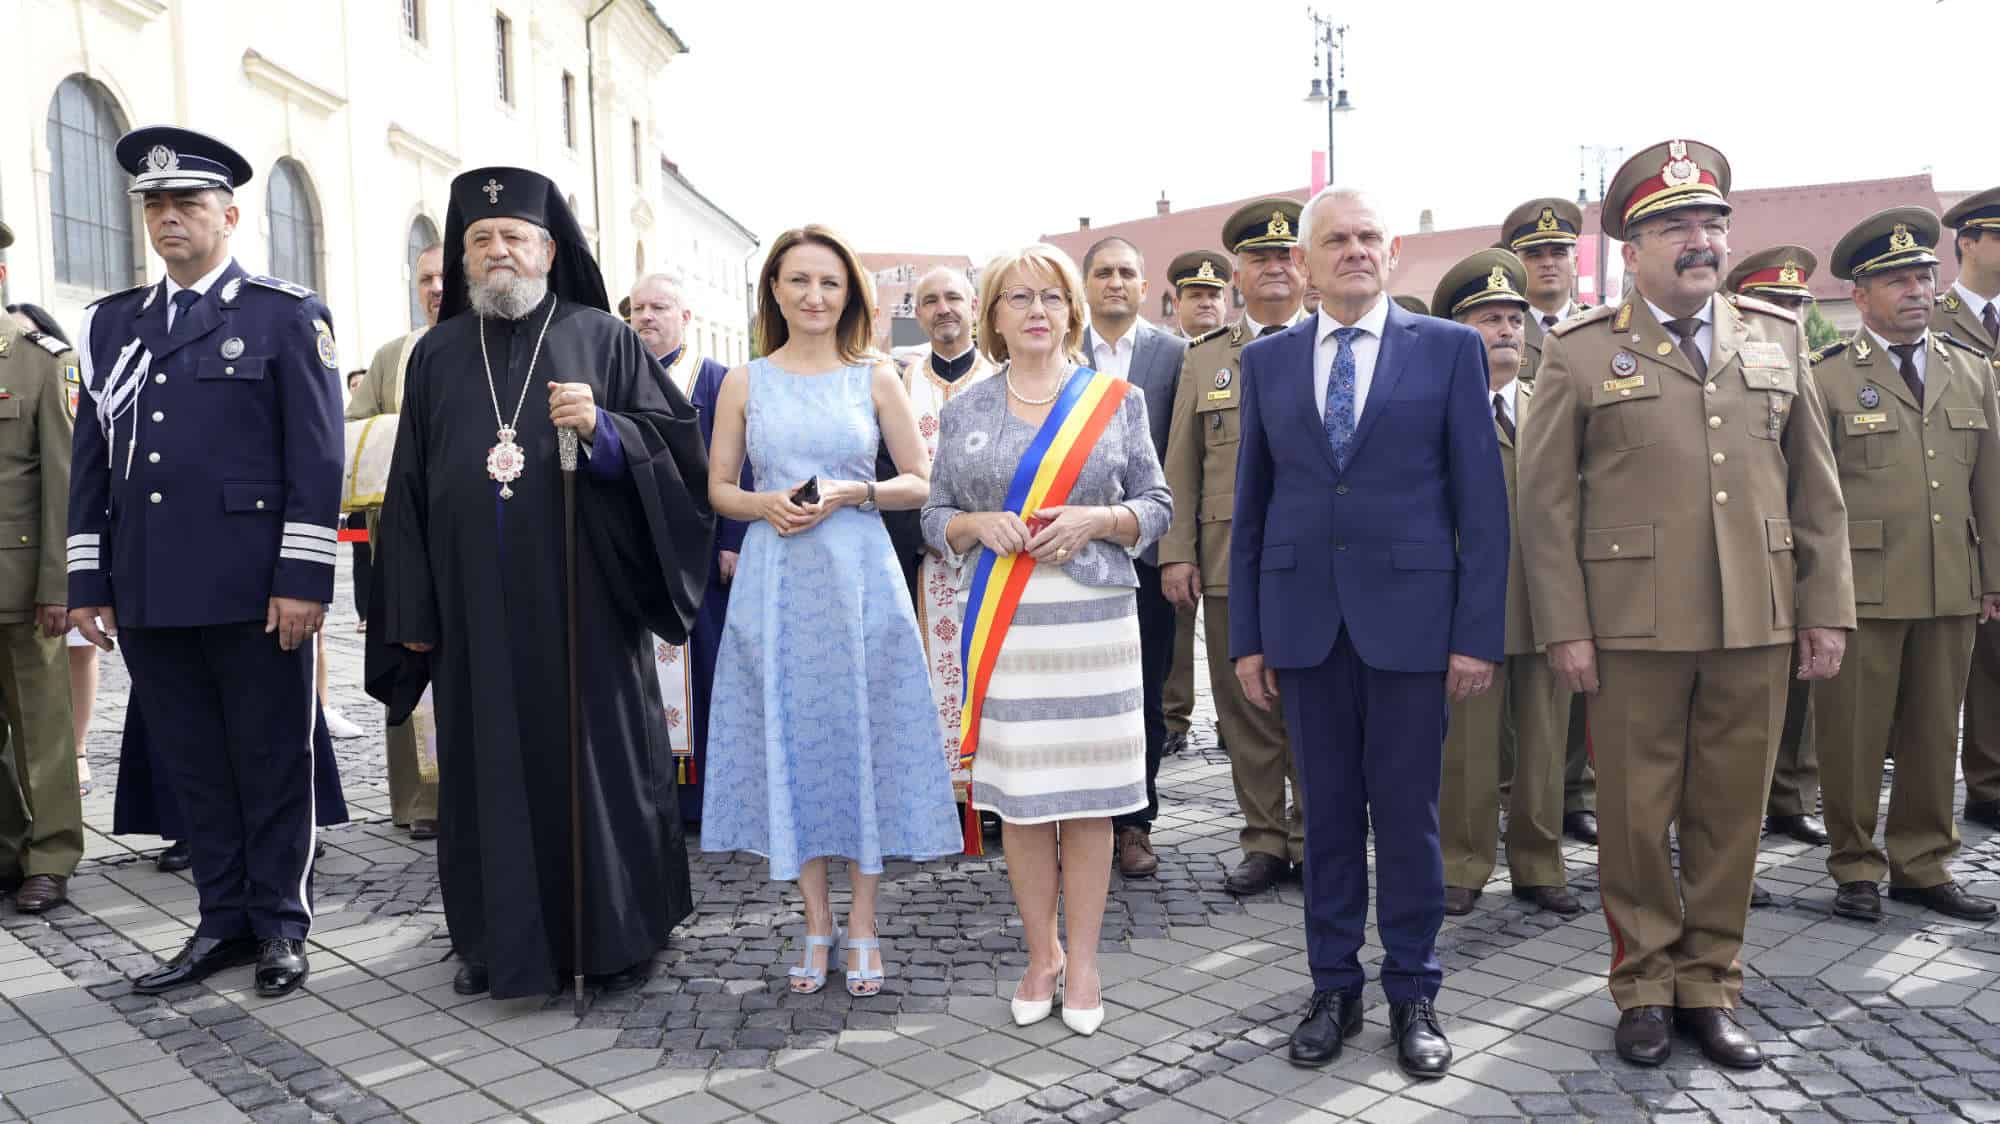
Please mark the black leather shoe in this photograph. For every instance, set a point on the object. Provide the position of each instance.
(1983, 812)
(1580, 826)
(1759, 896)
(1459, 900)
(197, 960)
(1805, 829)
(175, 857)
(1176, 744)
(470, 980)
(1723, 1040)
(421, 830)
(1861, 901)
(1644, 1036)
(39, 893)
(1333, 1017)
(624, 979)
(1257, 873)
(1421, 1048)
(1948, 898)
(1550, 899)
(281, 967)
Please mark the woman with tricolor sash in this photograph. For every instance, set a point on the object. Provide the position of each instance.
(1046, 486)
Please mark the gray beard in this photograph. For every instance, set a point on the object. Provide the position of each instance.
(509, 299)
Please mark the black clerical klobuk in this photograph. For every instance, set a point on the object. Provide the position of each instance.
(477, 573)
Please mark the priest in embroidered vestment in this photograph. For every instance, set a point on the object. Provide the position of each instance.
(473, 595)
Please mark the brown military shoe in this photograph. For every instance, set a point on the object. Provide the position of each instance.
(41, 892)
(1459, 900)
(1552, 899)
(1135, 853)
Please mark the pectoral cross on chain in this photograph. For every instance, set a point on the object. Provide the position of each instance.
(493, 188)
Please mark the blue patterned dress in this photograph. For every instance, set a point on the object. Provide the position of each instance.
(823, 737)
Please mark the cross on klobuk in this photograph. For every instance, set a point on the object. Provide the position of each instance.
(493, 188)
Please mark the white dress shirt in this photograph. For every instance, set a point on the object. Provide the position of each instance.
(1367, 345)
(1114, 357)
(1704, 337)
(1973, 302)
(1918, 356)
(200, 287)
(1252, 329)
(1561, 314)
(1507, 402)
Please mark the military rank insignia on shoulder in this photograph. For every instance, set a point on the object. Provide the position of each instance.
(1573, 323)
(1828, 352)
(281, 285)
(122, 293)
(1754, 304)
(49, 343)
(1958, 343)
(1212, 333)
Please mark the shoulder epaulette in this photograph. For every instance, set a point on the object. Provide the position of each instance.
(1754, 304)
(1958, 343)
(281, 285)
(1523, 387)
(1828, 352)
(49, 343)
(1582, 308)
(1565, 327)
(1212, 333)
(120, 293)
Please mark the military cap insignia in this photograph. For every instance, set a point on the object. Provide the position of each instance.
(160, 158)
(1624, 363)
(1678, 171)
(1222, 378)
(1548, 220)
(72, 387)
(1278, 227)
(1206, 272)
(1869, 396)
(1790, 274)
(1900, 237)
(230, 290)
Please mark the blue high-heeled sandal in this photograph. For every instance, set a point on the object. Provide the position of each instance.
(858, 979)
(814, 977)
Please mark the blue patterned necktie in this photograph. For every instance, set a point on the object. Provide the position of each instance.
(1340, 396)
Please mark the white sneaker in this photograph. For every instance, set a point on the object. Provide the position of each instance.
(338, 725)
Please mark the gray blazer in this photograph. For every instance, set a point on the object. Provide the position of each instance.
(1156, 369)
(979, 448)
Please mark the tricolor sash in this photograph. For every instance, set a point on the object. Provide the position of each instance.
(1047, 472)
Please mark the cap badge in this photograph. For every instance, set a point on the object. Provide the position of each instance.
(1547, 221)
(493, 188)
(1900, 237)
(1278, 227)
(1870, 397)
(1206, 272)
(1497, 281)
(162, 159)
(1790, 274)
(1678, 171)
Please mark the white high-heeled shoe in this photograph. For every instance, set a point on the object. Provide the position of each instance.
(1028, 1012)
(1084, 1020)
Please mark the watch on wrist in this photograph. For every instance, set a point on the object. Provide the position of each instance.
(869, 503)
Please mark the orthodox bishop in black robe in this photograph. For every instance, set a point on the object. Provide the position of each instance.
(471, 564)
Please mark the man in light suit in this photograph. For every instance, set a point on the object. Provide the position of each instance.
(1120, 342)
(1370, 571)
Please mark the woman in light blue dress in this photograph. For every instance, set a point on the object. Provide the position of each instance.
(824, 737)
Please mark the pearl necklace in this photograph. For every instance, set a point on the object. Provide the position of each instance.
(1023, 399)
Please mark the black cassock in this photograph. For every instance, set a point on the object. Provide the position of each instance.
(481, 577)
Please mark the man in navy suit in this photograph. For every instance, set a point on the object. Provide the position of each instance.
(1370, 575)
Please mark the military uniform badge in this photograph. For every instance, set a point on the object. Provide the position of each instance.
(72, 388)
(1870, 397)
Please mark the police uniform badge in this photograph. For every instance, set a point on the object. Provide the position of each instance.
(72, 388)
(1222, 378)
(1870, 397)
(232, 348)
(229, 291)
(324, 340)
(1624, 363)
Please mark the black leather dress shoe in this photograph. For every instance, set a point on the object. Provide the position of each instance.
(39, 893)
(1861, 901)
(1333, 1017)
(175, 857)
(1644, 1035)
(281, 967)
(197, 960)
(1551, 899)
(1459, 900)
(1805, 829)
(1421, 1047)
(624, 979)
(1948, 898)
(1722, 1039)
(1580, 826)
(1983, 812)
(1257, 873)
(1759, 896)
(471, 979)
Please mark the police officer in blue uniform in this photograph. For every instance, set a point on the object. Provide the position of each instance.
(205, 490)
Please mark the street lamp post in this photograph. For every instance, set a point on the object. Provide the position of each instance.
(1329, 40)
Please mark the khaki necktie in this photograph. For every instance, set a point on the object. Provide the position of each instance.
(1685, 328)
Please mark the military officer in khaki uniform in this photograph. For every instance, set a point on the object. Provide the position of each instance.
(1542, 233)
(1782, 275)
(41, 815)
(1485, 292)
(1914, 420)
(1194, 555)
(1710, 538)
(1970, 312)
(1201, 304)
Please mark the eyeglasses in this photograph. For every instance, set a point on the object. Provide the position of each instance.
(1019, 299)
(1684, 231)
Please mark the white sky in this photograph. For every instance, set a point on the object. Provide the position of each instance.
(1039, 111)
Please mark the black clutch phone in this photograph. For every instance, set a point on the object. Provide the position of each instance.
(808, 492)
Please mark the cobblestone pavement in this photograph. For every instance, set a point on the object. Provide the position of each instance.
(1899, 1020)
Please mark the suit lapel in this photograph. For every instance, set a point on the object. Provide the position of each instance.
(1879, 368)
(1520, 414)
(1300, 337)
(1730, 332)
(199, 321)
(1658, 344)
(151, 323)
(1390, 359)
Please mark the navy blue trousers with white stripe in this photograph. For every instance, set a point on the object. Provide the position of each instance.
(230, 717)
